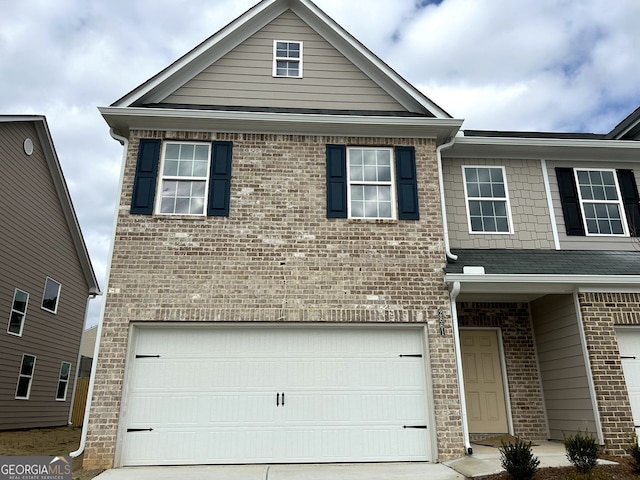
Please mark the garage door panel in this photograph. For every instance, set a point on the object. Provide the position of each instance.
(629, 346)
(213, 396)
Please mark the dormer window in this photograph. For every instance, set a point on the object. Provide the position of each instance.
(287, 59)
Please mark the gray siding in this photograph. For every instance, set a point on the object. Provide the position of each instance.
(243, 77)
(530, 213)
(562, 366)
(587, 242)
(36, 243)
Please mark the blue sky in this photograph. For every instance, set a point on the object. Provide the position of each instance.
(546, 65)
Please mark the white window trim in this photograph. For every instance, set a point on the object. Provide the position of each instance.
(288, 59)
(162, 178)
(496, 199)
(57, 300)
(24, 314)
(20, 375)
(392, 183)
(619, 202)
(66, 387)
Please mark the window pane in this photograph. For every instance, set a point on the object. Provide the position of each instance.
(200, 169)
(62, 390)
(583, 177)
(369, 157)
(172, 151)
(607, 178)
(498, 190)
(473, 189)
(384, 157)
(601, 210)
(184, 189)
(586, 193)
(604, 227)
(182, 205)
(202, 153)
(64, 371)
(500, 208)
(385, 210)
(187, 151)
(592, 226)
(487, 209)
(474, 208)
(357, 192)
(616, 227)
(371, 193)
(50, 296)
(598, 192)
(23, 387)
(496, 175)
(485, 190)
(197, 206)
(384, 194)
(27, 365)
(483, 175)
(471, 174)
(171, 167)
(476, 224)
(15, 322)
(384, 174)
(355, 156)
(502, 224)
(20, 299)
(185, 169)
(167, 205)
(489, 225)
(357, 209)
(610, 193)
(370, 173)
(371, 209)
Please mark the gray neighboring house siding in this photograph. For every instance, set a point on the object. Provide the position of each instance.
(38, 242)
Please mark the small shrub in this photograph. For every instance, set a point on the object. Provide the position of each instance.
(634, 450)
(518, 460)
(582, 451)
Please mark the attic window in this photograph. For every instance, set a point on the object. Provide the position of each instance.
(287, 59)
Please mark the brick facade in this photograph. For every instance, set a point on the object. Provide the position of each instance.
(276, 258)
(514, 321)
(601, 313)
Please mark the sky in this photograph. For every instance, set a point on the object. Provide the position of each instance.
(543, 65)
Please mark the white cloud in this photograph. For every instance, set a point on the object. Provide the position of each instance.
(500, 64)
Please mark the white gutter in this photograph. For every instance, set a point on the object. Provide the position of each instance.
(453, 295)
(75, 382)
(547, 142)
(544, 278)
(443, 208)
(87, 409)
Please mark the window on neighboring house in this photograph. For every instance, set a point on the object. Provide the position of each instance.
(487, 199)
(25, 377)
(287, 59)
(185, 178)
(63, 381)
(600, 201)
(371, 191)
(18, 312)
(51, 295)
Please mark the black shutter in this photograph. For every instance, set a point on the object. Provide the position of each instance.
(629, 191)
(570, 201)
(407, 183)
(220, 179)
(336, 181)
(144, 184)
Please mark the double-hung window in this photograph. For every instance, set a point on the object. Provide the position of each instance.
(487, 198)
(63, 381)
(18, 312)
(25, 377)
(185, 178)
(601, 202)
(51, 295)
(287, 59)
(371, 192)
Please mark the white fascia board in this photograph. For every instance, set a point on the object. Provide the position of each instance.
(626, 280)
(547, 142)
(364, 59)
(124, 119)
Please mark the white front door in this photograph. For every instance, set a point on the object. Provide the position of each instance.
(263, 395)
(629, 346)
(483, 382)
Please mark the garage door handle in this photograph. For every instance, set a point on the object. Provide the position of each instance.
(283, 399)
(277, 399)
(627, 358)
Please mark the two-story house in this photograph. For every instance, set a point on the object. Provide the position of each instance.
(545, 286)
(295, 277)
(46, 279)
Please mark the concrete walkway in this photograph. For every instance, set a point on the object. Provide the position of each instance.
(484, 461)
(355, 471)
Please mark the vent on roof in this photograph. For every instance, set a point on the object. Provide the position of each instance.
(28, 146)
(473, 270)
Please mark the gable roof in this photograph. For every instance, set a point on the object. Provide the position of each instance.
(628, 128)
(230, 36)
(44, 136)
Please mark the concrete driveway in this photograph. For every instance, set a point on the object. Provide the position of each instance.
(363, 471)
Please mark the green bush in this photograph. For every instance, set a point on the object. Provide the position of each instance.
(634, 450)
(582, 451)
(518, 460)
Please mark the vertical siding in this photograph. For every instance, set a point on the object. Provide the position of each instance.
(243, 77)
(562, 367)
(530, 213)
(36, 243)
(587, 242)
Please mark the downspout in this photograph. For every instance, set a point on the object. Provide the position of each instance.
(75, 382)
(445, 228)
(92, 378)
(453, 295)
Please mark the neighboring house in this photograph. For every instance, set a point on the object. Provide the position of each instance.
(546, 228)
(46, 279)
(279, 288)
(87, 348)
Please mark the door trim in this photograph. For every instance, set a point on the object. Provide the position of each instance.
(503, 367)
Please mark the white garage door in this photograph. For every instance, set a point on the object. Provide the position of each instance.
(268, 395)
(629, 344)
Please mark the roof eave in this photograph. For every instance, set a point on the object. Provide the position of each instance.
(122, 120)
(65, 201)
(544, 148)
(583, 280)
